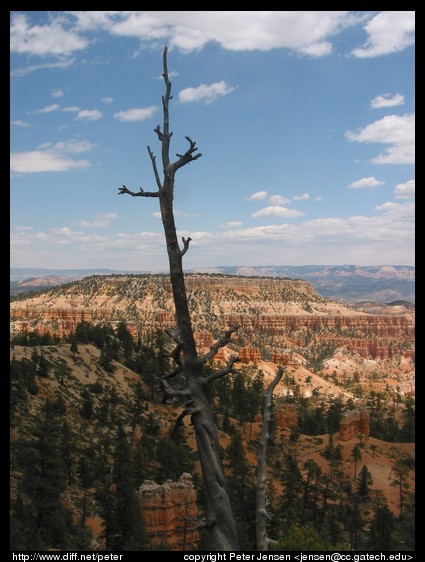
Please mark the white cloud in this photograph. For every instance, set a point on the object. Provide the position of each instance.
(34, 67)
(73, 108)
(100, 221)
(365, 182)
(230, 224)
(318, 49)
(397, 130)
(302, 197)
(136, 114)
(258, 196)
(50, 158)
(75, 147)
(385, 237)
(107, 100)
(277, 211)
(57, 93)
(306, 31)
(405, 190)
(388, 32)
(47, 109)
(89, 115)
(387, 100)
(206, 93)
(42, 40)
(40, 161)
(278, 199)
(92, 20)
(20, 123)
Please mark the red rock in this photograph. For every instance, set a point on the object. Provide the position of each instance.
(171, 513)
(354, 422)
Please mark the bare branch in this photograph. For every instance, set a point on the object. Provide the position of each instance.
(166, 135)
(141, 193)
(173, 373)
(261, 511)
(220, 343)
(205, 523)
(169, 391)
(187, 157)
(179, 422)
(174, 335)
(227, 369)
(155, 169)
(158, 131)
(175, 354)
(186, 242)
(265, 514)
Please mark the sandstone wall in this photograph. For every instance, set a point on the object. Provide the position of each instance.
(171, 513)
(354, 422)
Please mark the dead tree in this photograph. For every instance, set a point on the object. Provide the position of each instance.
(261, 514)
(219, 520)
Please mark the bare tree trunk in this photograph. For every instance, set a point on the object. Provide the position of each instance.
(261, 511)
(220, 520)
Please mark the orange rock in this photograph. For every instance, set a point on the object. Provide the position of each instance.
(171, 512)
(354, 422)
(286, 416)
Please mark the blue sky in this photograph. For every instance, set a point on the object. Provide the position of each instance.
(305, 122)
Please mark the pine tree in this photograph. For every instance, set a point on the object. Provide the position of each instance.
(240, 398)
(43, 481)
(292, 488)
(67, 447)
(365, 480)
(86, 477)
(138, 405)
(400, 471)
(126, 341)
(356, 455)
(87, 405)
(241, 491)
(124, 520)
(300, 539)
(381, 529)
(173, 457)
(313, 472)
(73, 347)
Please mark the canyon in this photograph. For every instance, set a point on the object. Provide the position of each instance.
(330, 349)
(274, 314)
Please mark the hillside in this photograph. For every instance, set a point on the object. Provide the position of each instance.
(72, 376)
(274, 314)
(349, 382)
(345, 283)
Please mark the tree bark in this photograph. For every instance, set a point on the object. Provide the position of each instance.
(261, 509)
(220, 520)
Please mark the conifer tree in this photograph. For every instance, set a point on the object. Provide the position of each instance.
(365, 480)
(241, 491)
(44, 480)
(356, 456)
(124, 520)
(381, 529)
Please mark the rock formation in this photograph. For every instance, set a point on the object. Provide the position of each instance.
(286, 415)
(274, 314)
(171, 513)
(354, 422)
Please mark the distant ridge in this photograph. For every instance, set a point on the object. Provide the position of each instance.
(346, 283)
